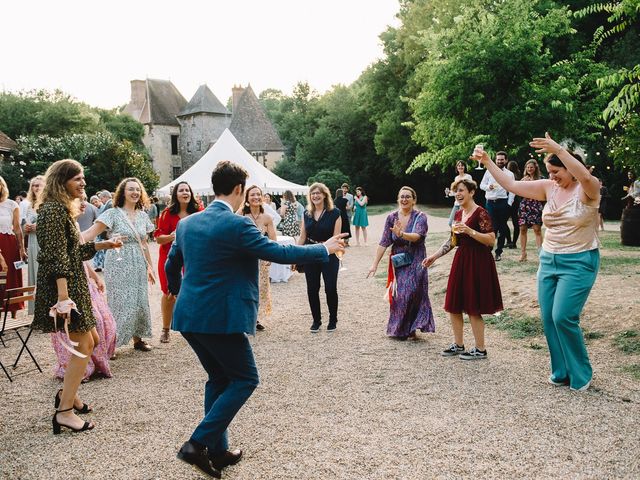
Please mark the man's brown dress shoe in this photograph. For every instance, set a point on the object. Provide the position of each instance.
(226, 458)
(197, 456)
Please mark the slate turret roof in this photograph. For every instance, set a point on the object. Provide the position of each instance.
(165, 101)
(204, 101)
(251, 126)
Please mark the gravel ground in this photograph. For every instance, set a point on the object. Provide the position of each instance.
(348, 405)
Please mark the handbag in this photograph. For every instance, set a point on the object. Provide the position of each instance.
(403, 259)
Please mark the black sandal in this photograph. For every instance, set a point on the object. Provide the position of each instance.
(57, 426)
(85, 408)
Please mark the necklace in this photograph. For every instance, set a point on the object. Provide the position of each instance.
(466, 214)
(255, 218)
(320, 216)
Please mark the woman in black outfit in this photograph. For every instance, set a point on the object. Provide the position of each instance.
(321, 222)
(340, 202)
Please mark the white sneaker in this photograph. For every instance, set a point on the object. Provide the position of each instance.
(583, 388)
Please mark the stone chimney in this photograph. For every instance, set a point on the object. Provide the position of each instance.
(236, 93)
(138, 94)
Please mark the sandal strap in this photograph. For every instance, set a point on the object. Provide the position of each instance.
(65, 410)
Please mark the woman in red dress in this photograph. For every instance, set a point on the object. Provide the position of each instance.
(473, 282)
(11, 243)
(182, 204)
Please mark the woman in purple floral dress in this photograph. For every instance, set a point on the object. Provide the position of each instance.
(405, 231)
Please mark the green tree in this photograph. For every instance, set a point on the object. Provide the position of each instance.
(332, 178)
(42, 112)
(106, 159)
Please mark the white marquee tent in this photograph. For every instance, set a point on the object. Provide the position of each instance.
(228, 148)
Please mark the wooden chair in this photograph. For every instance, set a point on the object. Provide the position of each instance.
(10, 325)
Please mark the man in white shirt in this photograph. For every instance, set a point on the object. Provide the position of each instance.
(498, 203)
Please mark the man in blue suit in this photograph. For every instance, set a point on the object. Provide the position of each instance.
(217, 306)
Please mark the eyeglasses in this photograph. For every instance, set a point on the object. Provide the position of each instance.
(406, 197)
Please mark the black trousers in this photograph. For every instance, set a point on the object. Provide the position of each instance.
(499, 213)
(513, 215)
(329, 272)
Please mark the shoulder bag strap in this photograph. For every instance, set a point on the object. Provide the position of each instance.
(137, 237)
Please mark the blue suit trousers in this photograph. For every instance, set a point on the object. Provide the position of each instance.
(233, 376)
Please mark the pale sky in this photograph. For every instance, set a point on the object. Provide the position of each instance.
(93, 49)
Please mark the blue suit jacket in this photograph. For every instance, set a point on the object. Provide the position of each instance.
(219, 251)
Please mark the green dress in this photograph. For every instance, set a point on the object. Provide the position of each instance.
(360, 218)
(61, 256)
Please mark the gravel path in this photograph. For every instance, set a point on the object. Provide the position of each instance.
(348, 405)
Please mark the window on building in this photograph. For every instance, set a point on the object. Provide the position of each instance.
(189, 147)
(174, 144)
(199, 146)
(177, 171)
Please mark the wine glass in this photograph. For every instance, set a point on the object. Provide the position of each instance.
(339, 254)
(117, 238)
(479, 148)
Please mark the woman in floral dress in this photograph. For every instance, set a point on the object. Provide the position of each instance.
(253, 209)
(405, 231)
(105, 327)
(128, 271)
(290, 223)
(530, 211)
(62, 283)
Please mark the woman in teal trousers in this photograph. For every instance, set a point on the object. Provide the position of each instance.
(569, 258)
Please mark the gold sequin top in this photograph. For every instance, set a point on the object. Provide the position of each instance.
(571, 227)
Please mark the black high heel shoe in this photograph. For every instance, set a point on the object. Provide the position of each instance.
(57, 427)
(85, 408)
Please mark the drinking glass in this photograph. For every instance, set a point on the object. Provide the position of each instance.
(480, 148)
(339, 255)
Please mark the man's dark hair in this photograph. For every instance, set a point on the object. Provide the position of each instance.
(502, 153)
(23, 194)
(226, 176)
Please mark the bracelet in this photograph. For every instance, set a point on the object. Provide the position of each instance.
(401, 234)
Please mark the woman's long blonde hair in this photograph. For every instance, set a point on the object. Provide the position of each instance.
(4, 190)
(58, 174)
(328, 201)
(31, 196)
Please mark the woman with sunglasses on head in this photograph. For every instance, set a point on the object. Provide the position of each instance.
(405, 231)
(321, 222)
(182, 204)
(570, 255)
